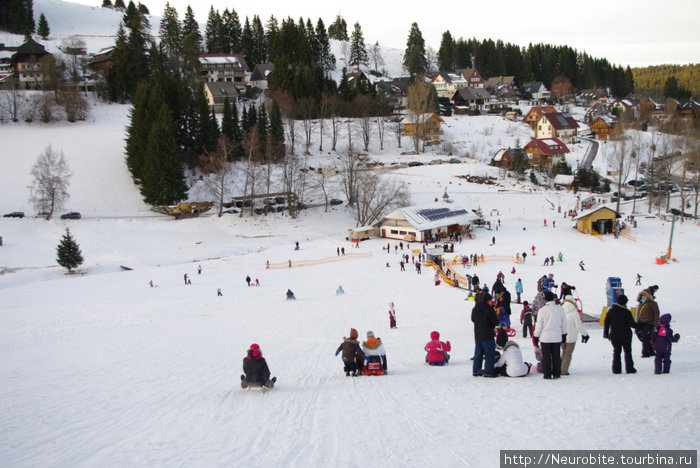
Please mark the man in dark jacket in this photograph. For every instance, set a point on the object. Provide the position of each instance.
(485, 320)
(618, 329)
(256, 370)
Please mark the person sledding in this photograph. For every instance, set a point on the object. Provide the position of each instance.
(352, 354)
(437, 350)
(255, 370)
(290, 295)
(375, 355)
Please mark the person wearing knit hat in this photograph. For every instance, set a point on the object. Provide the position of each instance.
(437, 350)
(618, 325)
(647, 318)
(256, 371)
(352, 354)
(374, 352)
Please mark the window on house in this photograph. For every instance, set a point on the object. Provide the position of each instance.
(394, 231)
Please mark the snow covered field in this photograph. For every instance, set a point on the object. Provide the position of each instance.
(101, 369)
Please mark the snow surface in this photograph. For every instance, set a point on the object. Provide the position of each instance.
(99, 369)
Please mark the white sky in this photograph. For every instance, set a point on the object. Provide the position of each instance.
(636, 33)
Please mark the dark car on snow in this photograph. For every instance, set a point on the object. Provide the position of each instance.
(71, 215)
(14, 214)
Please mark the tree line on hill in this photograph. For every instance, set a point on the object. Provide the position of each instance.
(680, 82)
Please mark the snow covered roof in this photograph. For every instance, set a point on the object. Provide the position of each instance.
(548, 146)
(563, 179)
(583, 214)
(434, 215)
(422, 118)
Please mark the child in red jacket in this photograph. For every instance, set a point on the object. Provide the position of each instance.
(437, 350)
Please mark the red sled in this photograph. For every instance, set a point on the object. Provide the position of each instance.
(511, 332)
(373, 368)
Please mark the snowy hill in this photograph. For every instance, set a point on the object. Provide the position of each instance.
(99, 369)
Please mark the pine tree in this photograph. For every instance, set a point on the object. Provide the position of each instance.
(338, 30)
(163, 181)
(446, 53)
(227, 121)
(247, 48)
(263, 129)
(107, 4)
(139, 128)
(358, 51)
(414, 58)
(326, 57)
(170, 32)
(119, 4)
(68, 253)
(117, 72)
(212, 31)
(43, 29)
(259, 42)
(190, 25)
(231, 27)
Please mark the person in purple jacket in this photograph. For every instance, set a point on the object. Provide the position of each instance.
(662, 338)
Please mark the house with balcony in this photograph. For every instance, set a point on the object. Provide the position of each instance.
(472, 77)
(556, 125)
(228, 68)
(546, 152)
(446, 84)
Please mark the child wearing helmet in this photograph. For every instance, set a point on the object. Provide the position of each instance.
(255, 369)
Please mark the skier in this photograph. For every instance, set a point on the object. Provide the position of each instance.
(437, 350)
(582, 265)
(392, 316)
(560, 257)
(255, 369)
(639, 280)
(151, 283)
(493, 240)
(374, 350)
(352, 354)
(185, 277)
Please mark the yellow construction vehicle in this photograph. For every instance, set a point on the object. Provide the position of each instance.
(185, 210)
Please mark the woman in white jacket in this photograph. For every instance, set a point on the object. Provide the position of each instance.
(511, 362)
(574, 326)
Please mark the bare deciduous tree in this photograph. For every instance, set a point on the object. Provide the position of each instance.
(291, 131)
(363, 106)
(350, 165)
(397, 128)
(10, 102)
(251, 146)
(219, 169)
(44, 106)
(376, 195)
(73, 103)
(375, 56)
(619, 159)
(51, 178)
(420, 103)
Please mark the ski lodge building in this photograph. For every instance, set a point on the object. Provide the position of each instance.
(597, 221)
(422, 222)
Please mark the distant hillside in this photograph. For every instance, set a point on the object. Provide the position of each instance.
(651, 80)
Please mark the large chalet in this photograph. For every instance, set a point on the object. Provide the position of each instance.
(545, 152)
(230, 68)
(556, 125)
(27, 64)
(447, 83)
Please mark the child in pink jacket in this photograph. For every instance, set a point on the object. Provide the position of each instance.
(437, 350)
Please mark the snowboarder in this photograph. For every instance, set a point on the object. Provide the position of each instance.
(663, 338)
(639, 280)
(374, 350)
(582, 265)
(255, 369)
(290, 295)
(437, 350)
(392, 316)
(352, 354)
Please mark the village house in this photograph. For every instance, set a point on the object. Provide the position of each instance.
(535, 113)
(27, 64)
(689, 109)
(471, 99)
(503, 158)
(229, 68)
(628, 104)
(359, 82)
(259, 77)
(556, 125)
(536, 89)
(427, 125)
(102, 60)
(544, 153)
(474, 80)
(502, 87)
(446, 84)
(603, 126)
(562, 90)
(216, 94)
(597, 221)
(423, 222)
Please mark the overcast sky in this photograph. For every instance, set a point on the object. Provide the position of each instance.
(635, 33)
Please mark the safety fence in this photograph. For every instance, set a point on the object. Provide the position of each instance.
(320, 261)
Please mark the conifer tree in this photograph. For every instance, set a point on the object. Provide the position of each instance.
(326, 57)
(358, 51)
(119, 4)
(259, 42)
(107, 4)
(139, 128)
(414, 58)
(163, 181)
(190, 25)
(247, 47)
(263, 127)
(212, 31)
(170, 32)
(446, 53)
(276, 132)
(338, 30)
(68, 253)
(231, 27)
(43, 28)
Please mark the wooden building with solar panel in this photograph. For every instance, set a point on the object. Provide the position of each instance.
(423, 222)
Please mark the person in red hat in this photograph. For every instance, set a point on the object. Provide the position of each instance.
(255, 369)
(352, 353)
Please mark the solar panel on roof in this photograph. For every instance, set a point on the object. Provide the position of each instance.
(435, 214)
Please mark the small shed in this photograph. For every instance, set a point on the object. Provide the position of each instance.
(597, 221)
(361, 233)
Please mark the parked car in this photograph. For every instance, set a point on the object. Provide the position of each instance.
(14, 214)
(335, 201)
(636, 183)
(455, 161)
(414, 163)
(605, 180)
(71, 215)
(436, 161)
